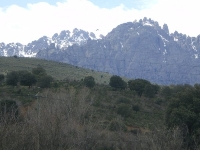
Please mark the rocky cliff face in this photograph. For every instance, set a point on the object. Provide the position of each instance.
(57, 41)
(140, 49)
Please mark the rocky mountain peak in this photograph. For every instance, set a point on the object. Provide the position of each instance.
(59, 41)
(165, 28)
(138, 49)
(198, 39)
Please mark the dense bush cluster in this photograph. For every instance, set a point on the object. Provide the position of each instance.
(117, 82)
(184, 112)
(25, 78)
(140, 86)
(100, 116)
(89, 81)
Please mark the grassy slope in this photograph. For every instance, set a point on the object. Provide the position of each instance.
(104, 97)
(60, 71)
(95, 109)
(57, 70)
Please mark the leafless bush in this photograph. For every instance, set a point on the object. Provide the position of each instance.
(64, 120)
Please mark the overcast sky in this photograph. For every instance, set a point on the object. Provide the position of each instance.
(27, 20)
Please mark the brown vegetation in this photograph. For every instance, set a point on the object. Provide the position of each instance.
(66, 120)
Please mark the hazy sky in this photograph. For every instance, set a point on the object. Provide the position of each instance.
(24, 21)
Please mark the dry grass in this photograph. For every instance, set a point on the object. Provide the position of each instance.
(57, 70)
(64, 120)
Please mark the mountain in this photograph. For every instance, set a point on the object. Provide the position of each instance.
(59, 41)
(139, 49)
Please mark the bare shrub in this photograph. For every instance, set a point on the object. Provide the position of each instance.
(64, 120)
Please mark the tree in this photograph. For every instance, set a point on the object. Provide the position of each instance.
(136, 108)
(197, 90)
(39, 71)
(149, 91)
(138, 85)
(26, 78)
(124, 110)
(166, 92)
(1, 77)
(44, 81)
(12, 78)
(184, 112)
(156, 88)
(117, 82)
(123, 100)
(89, 81)
(15, 56)
(9, 108)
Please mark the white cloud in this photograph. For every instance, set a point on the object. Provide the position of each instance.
(36, 20)
(179, 15)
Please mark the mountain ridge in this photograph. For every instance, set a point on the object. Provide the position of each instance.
(60, 41)
(138, 49)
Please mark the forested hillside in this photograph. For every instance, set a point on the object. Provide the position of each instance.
(40, 111)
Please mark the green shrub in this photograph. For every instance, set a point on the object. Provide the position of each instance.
(123, 100)
(26, 78)
(166, 92)
(124, 110)
(2, 77)
(89, 81)
(158, 101)
(184, 112)
(44, 81)
(136, 108)
(23, 77)
(138, 85)
(116, 125)
(117, 82)
(56, 85)
(39, 71)
(12, 78)
(149, 91)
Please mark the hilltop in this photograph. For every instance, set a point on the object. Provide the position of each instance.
(57, 70)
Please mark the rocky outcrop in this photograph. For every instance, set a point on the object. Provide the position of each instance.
(137, 50)
(58, 41)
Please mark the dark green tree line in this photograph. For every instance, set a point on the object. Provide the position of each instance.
(184, 112)
(143, 87)
(117, 82)
(25, 78)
